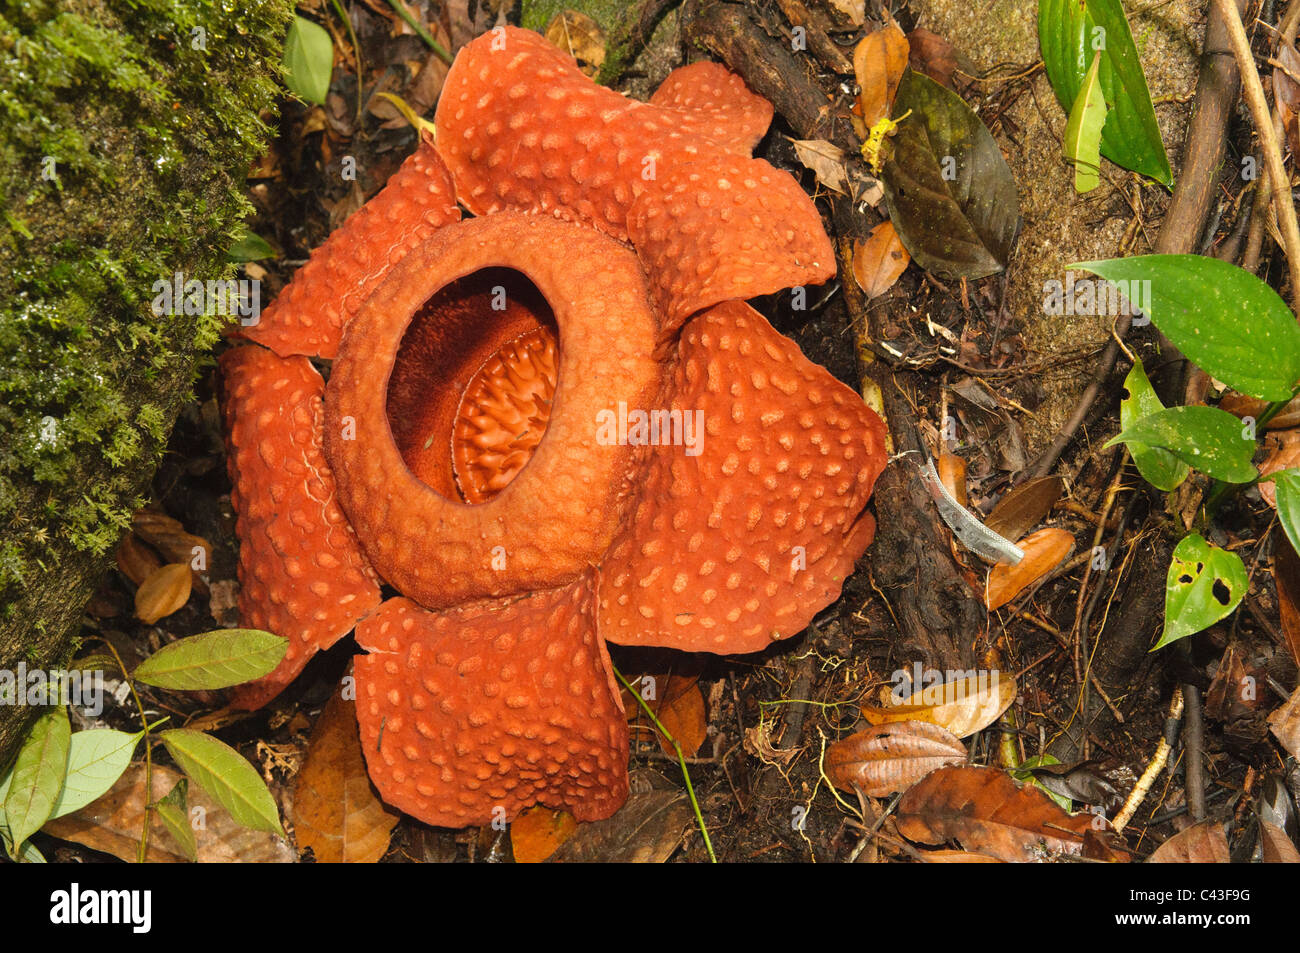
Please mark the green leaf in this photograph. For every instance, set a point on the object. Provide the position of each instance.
(1211, 440)
(1083, 132)
(173, 811)
(250, 247)
(308, 60)
(225, 775)
(951, 197)
(96, 759)
(1234, 326)
(1288, 503)
(1159, 467)
(1024, 774)
(38, 774)
(213, 660)
(1204, 584)
(1067, 32)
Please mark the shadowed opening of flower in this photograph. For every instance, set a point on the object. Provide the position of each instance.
(470, 394)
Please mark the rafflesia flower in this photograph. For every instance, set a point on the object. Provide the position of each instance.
(549, 426)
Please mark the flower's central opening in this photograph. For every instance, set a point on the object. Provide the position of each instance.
(470, 395)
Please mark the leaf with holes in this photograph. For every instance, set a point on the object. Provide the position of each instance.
(1233, 325)
(1211, 440)
(1070, 33)
(1204, 585)
(226, 776)
(950, 194)
(1158, 466)
(213, 660)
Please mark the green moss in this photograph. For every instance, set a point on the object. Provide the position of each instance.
(126, 128)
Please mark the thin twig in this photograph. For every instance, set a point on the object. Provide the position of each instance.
(1279, 182)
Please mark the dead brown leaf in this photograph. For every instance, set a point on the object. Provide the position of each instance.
(1202, 843)
(678, 704)
(581, 37)
(1284, 453)
(647, 830)
(952, 474)
(884, 759)
(1286, 573)
(538, 832)
(963, 706)
(1044, 551)
(932, 55)
(113, 824)
(878, 64)
(335, 811)
(878, 261)
(986, 811)
(1025, 506)
(956, 857)
(1285, 723)
(1275, 846)
(165, 590)
(136, 560)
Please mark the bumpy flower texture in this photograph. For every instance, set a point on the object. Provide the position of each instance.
(549, 426)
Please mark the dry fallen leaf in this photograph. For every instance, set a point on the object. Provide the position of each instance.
(581, 37)
(1044, 551)
(135, 559)
(1025, 506)
(1202, 843)
(826, 160)
(678, 704)
(165, 590)
(932, 55)
(168, 536)
(878, 261)
(645, 830)
(335, 810)
(884, 759)
(1285, 723)
(538, 832)
(113, 824)
(963, 706)
(952, 474)
(956, 857)
(878, 64)
(1275, 846)
(1284, 453)
(1286, 573)
(985, 811)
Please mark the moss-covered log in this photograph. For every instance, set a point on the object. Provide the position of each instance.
(126, 129)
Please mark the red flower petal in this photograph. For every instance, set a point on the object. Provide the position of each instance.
(710, 560)
(726, 227)
(522, 128)
(715, 103)
(310, 312)
(301, 574)
(558, 516)
(476, 713)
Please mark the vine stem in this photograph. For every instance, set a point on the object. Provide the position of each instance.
(681, 759)
(400, 9)
(148, 753)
